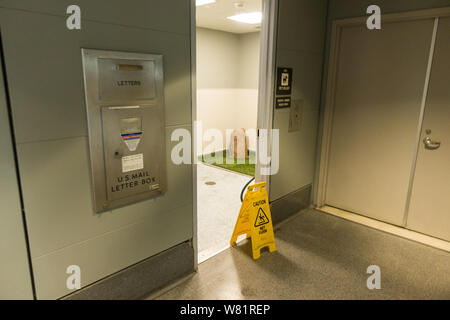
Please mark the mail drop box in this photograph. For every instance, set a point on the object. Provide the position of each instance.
(125, 110)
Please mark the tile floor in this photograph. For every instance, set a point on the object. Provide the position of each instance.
(320, 256)
(218, 208)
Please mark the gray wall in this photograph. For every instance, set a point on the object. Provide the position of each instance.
(43, 62)
(301, 32)
(15, 281)
(227, 60)
(341, 9)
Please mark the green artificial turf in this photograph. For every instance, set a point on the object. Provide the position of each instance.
(231, 164)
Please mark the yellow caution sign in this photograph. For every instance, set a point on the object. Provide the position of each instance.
(255, 221)
(243, 222)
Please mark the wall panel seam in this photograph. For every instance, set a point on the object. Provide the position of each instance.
(185, 35)
(73, 244)
(86, 136)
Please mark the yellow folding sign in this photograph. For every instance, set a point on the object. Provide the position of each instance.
(255, 221)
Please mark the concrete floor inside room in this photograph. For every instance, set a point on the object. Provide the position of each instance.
(320, 256)
(218, 205)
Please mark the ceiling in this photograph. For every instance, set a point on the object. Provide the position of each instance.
(214, 16)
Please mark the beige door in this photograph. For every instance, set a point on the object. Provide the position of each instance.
(378, 97)
(429, 210)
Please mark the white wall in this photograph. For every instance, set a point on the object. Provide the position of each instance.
(227, 83)
(248, 73)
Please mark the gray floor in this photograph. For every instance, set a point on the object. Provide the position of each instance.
(322, 257)
(218, 208)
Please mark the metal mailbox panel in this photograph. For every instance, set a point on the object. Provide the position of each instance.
(125, 109)
(129, 168)
(126, 79)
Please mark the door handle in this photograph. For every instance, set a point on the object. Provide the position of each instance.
(430, 144)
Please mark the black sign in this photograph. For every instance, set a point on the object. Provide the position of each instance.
(283, 102)
(284, 81)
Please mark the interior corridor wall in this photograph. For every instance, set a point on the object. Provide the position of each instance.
(301, 34)
(15, 281)
(45, 77)
(227, 83)
(341, 9)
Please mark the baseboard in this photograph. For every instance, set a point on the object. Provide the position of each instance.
(388, 228)
(287, 206)
(143, 278)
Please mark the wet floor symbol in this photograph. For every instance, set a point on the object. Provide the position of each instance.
(261, 218)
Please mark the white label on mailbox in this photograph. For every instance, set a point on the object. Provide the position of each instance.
(132, 163)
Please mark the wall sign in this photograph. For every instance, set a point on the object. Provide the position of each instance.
(284, 81)
(283, 102)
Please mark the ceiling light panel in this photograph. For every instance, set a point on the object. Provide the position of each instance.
(199, 3)
(250, 18)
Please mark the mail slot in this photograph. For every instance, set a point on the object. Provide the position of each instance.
(125, 109)
(121, 79)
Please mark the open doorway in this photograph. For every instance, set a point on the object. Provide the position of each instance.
(228, 50)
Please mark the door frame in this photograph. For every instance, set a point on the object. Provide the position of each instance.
(336, 31)
(267, 74)
(193, 45)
